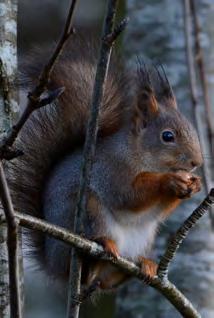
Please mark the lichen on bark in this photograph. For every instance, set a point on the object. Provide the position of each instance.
(8, 113)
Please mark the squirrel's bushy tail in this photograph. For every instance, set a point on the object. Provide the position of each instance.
(58, 129)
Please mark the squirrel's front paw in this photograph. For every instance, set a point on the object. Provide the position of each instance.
(148, 268)
(184, 184)
(108, 245)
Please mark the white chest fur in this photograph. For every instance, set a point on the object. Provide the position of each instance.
(133, 234)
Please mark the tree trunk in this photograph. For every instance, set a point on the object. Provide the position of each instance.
(156, 31)
(8, 113)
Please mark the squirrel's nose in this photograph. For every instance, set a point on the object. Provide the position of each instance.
(195, 163)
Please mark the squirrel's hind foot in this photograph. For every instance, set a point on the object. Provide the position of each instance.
(108, 245)
(148, 268)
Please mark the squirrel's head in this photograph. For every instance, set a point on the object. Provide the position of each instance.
(169, 141)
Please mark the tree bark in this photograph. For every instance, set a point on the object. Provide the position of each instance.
(156, 31)
(8, 113)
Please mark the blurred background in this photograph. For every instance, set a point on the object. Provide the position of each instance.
(155, 31)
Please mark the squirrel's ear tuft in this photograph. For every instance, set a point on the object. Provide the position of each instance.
(146, 106)
(163, 88)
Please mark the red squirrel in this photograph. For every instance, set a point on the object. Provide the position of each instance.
(145, 157)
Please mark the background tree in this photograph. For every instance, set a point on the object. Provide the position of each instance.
(8, 113)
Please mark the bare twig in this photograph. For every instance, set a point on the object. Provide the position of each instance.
(208, 108)
(74, 285)
(161, 283)
(34, 97)
(12, 242)
(108, 37)
(91, 134)
(202, 73)
(182, 233)
(189, 52)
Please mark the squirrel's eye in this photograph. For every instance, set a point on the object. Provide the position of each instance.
(168, 136)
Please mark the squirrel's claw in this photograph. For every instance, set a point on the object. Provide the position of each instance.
(108, 245)
(148, 268)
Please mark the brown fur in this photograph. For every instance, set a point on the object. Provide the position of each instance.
(166, 189)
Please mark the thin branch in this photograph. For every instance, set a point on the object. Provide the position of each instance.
(108, 37)
(74, 285)
(12, 242)
(208, 108)
(46, 72)
(202, 73)
(34, 97)
(163, 285)
(176, 298)
(91, 134)
(181, 234)
(189, 52)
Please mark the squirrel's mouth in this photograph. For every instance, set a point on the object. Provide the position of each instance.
(184, 169)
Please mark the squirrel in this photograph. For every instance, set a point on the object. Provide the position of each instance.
(145, 157)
